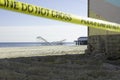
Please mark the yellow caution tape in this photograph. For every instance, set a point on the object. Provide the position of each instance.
(57, 15)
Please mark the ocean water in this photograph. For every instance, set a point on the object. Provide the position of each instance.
(30, 44)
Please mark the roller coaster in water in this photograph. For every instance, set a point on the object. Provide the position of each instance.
(43, 41)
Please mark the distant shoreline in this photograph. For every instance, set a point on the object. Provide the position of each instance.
(30, 44)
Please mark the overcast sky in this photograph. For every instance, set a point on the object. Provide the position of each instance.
(17, 27)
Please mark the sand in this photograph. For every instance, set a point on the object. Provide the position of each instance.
(14, 52)
(55, 63)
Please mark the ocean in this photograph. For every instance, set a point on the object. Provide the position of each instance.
(31, 44)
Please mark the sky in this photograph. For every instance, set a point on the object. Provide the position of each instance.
(18, 27)
(114, 2)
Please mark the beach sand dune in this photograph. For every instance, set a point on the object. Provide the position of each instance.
(54, 63)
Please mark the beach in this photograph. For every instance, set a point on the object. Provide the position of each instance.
(14, 52)
(55, 63)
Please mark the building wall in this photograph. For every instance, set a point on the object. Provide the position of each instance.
(101, 40)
